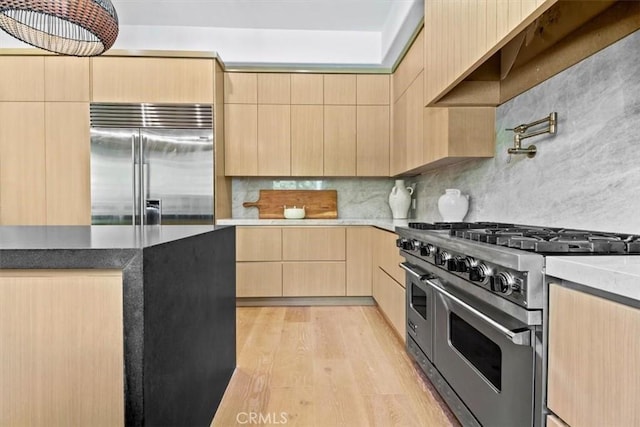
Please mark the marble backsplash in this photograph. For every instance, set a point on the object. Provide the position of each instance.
(362, 198)
(586, 176)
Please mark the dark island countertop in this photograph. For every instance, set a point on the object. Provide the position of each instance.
(178, 307)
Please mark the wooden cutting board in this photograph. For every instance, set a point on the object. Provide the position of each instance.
(319, 204)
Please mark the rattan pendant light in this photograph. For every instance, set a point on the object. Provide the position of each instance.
(69, 27)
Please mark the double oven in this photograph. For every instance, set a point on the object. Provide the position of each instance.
(482, 351)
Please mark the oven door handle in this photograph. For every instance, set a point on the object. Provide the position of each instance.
(516, 337)
(406, 267)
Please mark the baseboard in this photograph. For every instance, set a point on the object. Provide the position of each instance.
(303, 301)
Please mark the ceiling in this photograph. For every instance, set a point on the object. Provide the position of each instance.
(295, 34)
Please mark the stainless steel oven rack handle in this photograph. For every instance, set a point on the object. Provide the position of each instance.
(518, 338)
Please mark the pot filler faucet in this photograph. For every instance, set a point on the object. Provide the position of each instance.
(520, 133)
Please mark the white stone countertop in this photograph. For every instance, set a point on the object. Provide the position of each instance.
(619, 275)
(385, 224)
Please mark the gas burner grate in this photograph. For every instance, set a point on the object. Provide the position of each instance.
(552, 240)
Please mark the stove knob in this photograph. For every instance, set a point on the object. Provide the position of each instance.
(404, 244)
(416, 245)
(442, 257)
(502, 282)
(468, 264)
(427, 250)
(479, 273)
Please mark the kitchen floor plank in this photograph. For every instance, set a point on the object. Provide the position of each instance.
(325, 366)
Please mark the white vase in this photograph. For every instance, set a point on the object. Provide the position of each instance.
(453, 205)
(400, 199)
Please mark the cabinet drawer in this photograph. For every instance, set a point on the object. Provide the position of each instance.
(258, 244)
(390, 297)
(313, 279)
(388, 256)
(313, 244)
(259, 279)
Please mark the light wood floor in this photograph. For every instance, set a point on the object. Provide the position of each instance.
(325, 366)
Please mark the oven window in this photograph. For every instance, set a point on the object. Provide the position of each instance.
(483, 353)
(419, 300)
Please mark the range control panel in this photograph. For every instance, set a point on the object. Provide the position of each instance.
(510, 284)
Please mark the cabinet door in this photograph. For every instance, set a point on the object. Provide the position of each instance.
(21, 78)
(414, 124)
(258, 244)
(22, 164)
(240, 88)
(594, 344)
(398, 152)
(339, 89)
(241, 139)
(359, 261)
(161, 80)
(274, 88)
(307, 140)
(372, 140)
(313, 244)
(339, 140)
(313, 279)
(307, 89)
(390, 297)
(258, 279)
(66, 79)
(62, 348)
(67, 162)
(372, 89)
(274, 140)
(412, 64)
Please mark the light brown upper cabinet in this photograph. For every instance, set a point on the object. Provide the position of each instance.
(66, 79)
(22, 164)
(414, 132)
(67, 162)
(307, 89)
(398, 143)
(307, 140)
(409, 68)
(339, 140)
(372, 144)
(274, 88)
(372, 89)
(21, 78)
(241, 139)
(240, 88)
(458, 133)
(340, 89)
(161, 80)
(274, 140)
(460, 35)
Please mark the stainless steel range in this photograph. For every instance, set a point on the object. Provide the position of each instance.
(476, 307)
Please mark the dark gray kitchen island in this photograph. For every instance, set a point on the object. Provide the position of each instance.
(178, 309)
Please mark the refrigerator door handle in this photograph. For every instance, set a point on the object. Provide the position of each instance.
(141, 175)
(133, 180)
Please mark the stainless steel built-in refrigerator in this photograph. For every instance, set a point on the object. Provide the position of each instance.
(151, 164)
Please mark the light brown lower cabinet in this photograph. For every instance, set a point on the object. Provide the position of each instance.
(390, 296)
(387, 256)
(553, 421)
(594, 355)
(313, 279)
(258, 279)
(62, 348)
